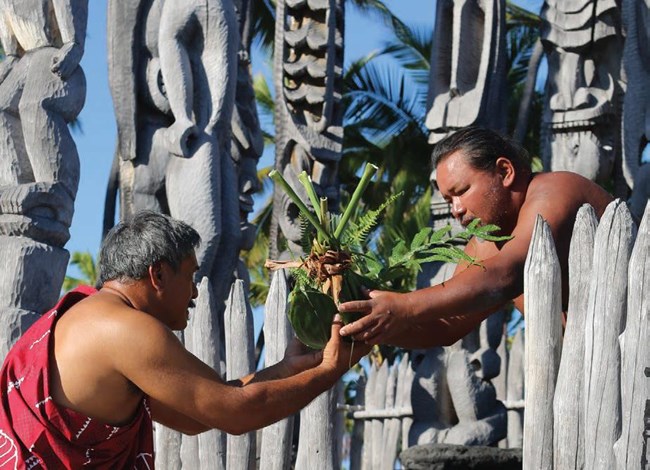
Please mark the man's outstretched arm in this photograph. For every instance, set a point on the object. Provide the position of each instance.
(178, 381)
(441, 314)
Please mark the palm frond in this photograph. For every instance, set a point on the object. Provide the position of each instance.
(263, 15)
(383, 100)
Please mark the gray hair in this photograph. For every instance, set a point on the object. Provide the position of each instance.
(481, 147)
(148, 238)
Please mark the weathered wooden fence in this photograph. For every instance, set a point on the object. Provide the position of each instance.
(586, 395)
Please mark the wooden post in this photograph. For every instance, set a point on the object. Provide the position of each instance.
(240, 359)
(500, 381)
(568, 405)
(406, 377)
(391, 425)
(276, 439)
(543, 305)
(515, 391)
(368, 450)
(377, 424)
(356, 444)
(635, 353)
(318, 448)
(605, 321)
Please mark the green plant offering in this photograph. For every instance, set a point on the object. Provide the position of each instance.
(340, 264)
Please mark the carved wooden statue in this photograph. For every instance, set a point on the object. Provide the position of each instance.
(308, 122)
(247, 143)
(636, 107)
(308, 115)
(42, 89)
(173, 70)
(468, 66)
(453, 402)
(467, 79)
(453, 398)
(582, 40)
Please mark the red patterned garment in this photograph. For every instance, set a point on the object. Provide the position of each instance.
(37, 433)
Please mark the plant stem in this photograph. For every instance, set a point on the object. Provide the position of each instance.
(304, 178)
(325, 216)
(279, 179)
(368, 172)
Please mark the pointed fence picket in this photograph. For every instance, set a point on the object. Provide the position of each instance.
(600, 397)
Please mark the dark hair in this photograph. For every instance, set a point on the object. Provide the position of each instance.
(148, 238)
(482, 147)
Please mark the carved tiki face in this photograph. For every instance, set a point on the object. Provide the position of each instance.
(582, 40)
(467, 67)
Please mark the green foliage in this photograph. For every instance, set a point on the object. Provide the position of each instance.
(385, 105)
(340, 261)
(86, 264)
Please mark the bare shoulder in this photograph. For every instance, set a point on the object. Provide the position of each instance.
(113, 328)
(564, 192)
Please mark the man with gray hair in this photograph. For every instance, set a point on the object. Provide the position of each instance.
(82, 385)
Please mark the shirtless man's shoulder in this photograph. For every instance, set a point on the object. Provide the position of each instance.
(105, 332)
(567, 191)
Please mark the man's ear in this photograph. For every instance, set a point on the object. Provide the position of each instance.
(506, 169)
(156, 276)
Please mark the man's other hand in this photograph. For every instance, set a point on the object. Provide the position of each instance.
(340, 355)
(298, 357)
(385, 316)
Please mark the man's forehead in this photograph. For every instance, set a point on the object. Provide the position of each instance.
(451, 168)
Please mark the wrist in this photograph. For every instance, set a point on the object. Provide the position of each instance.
(410, 309)
(330, 373)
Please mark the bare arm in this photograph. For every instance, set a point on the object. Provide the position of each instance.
(443, 313)
(297, 359)
(182, 386)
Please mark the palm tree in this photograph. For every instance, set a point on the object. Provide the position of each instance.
(385, 107)
(84, 261)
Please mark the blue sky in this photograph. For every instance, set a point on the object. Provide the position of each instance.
(96, 139)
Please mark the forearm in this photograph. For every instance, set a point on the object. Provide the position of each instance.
(260, 404)
(176, 420)
(472, 293)
(274, 372)
(438, 332)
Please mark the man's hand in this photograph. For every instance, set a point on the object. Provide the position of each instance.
(385, 316)
(340, 355)
(298, 357)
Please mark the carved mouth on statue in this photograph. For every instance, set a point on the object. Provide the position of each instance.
(591, 106)
(565, 125)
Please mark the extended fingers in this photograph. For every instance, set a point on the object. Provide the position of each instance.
(356, 306)
(357, 327)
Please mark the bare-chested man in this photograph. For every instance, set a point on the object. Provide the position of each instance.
(83, 384)
(482, 175)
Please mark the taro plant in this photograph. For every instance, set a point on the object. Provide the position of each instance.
(338, 264)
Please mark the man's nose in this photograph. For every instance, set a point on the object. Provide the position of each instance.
(195, 290)
(457, 209)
